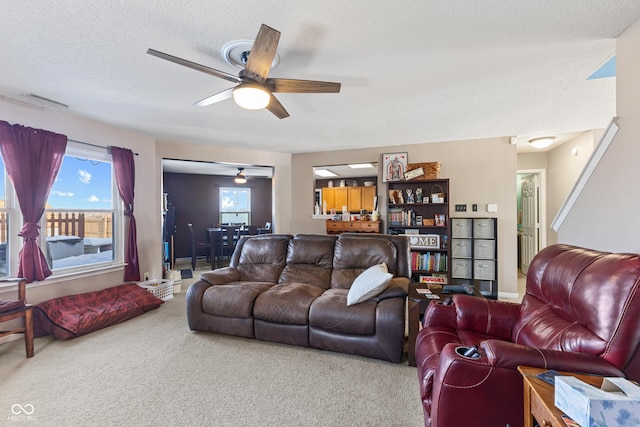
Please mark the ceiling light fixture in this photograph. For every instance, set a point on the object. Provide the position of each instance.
(240, 178)
(542, 142)
(251, 96)
(325, 173)
(360, 165)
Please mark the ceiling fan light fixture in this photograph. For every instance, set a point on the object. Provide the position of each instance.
(542, 142)
(251, 96)
(240, 178)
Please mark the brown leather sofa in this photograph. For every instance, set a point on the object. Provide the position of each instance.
(293, 290)
(580, 313)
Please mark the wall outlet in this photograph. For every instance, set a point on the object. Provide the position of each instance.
(461, 208)
(474, 207)
(146, 276)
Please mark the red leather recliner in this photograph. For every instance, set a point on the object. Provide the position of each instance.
(580, 313)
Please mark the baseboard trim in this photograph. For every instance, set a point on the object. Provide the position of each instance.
(508, 295)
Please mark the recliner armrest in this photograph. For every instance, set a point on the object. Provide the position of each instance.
(221, 276)
(489, 317)
(505, 354)
(438, 314)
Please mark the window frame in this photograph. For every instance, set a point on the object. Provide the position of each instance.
(247, 212)
(15, 243)
(117, 209)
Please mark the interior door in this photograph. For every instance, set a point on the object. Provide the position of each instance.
(530, 220)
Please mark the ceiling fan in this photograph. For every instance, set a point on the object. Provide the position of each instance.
(240, 178)
(254, 90)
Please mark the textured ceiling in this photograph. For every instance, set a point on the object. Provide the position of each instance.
(411, 72)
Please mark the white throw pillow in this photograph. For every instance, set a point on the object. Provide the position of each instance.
(369, 283)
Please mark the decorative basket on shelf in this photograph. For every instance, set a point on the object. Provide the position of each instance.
(437, 194)
(422, 171)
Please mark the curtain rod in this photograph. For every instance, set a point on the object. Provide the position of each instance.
(92, 145)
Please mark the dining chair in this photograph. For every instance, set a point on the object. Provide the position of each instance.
(18, 309)
(196, 245)
(227, 243)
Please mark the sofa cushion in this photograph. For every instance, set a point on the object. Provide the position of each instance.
(261, 258)
(309, 260)
(353, 255)
(286, 303)
(330, 312)
(369, 283)
(233, 299)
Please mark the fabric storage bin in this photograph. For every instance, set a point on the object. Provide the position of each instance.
(461, 248)
(483, 228)
(484, 270)
(484, 249)
(461, 268)
(461, 227)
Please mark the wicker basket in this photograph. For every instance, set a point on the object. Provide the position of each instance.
(430, 170)
(162, 289)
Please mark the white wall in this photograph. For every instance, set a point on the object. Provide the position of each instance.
(605, 215)
(480, 171)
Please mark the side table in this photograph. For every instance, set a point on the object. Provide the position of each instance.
(539, 397)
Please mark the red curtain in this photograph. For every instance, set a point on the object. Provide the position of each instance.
(126, 178)
(32, 158)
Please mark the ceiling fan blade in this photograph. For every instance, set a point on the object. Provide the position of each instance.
(301, 86)
(220, 96)
(276, 108)
(262, 53)
(193, 65)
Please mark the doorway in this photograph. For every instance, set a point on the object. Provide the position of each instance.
(532, 219)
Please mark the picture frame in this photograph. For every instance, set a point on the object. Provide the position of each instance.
(394, 165)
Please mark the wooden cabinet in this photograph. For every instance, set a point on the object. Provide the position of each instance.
(337, 227)
(422, 207)
(474, 254)
(368, 197)
(355, 198)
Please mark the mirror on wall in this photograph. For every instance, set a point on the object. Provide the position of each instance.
(344, 175)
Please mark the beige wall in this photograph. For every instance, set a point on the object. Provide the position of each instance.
(147, 202)
(605, 215)
(480, 171)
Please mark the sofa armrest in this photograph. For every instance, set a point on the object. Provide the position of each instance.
(397, 288)
(504, 354)
(221, 275)
(489, 317)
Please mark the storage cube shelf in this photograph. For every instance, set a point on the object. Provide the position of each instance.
(474, 256)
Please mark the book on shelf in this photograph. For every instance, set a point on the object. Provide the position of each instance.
(429, 261)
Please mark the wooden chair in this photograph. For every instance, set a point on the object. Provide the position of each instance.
(197, 244)
(227, 243)
(16, 309)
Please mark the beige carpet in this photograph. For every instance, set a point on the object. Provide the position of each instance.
(153, 371)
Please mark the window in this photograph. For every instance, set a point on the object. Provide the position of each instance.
(81, 228)
(77, 229)
(235, 205)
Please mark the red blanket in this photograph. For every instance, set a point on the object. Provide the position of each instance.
(74, 315)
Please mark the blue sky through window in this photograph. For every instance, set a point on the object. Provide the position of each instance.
(82, 184)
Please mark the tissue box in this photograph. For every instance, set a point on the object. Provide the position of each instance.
(615, 403)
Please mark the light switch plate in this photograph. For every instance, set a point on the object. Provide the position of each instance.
(461, 208)
(492, 207)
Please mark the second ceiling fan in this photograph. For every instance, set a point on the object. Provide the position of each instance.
(254, 89)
